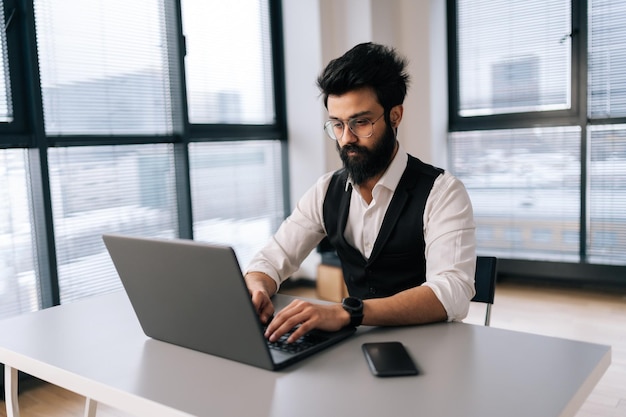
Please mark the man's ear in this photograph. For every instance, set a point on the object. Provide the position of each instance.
(395, 115)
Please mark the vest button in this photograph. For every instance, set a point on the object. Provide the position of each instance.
(372, 290)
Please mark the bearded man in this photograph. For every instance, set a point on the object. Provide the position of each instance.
(404, 230)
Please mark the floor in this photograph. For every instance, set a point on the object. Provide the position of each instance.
(598, 317)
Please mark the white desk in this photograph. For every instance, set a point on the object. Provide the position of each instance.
(96, 348)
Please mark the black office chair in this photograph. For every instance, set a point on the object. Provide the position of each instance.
(485, 283)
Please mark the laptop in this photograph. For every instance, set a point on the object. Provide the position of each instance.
(193, 294)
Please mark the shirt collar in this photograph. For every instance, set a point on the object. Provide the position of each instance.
(392, 175)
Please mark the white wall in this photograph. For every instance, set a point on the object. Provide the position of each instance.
(316, 31)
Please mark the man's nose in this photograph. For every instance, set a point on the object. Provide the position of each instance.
(348, 136)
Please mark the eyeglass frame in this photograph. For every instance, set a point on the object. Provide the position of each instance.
(327, 126)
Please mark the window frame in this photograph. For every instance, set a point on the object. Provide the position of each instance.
(17, 133)
(530, 270)
(27, 128)
(567, 117)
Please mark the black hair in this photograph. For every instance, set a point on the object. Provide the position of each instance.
(367, 65)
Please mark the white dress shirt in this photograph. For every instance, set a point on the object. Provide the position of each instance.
(449, 234)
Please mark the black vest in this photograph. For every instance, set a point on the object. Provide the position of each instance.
(397, 261)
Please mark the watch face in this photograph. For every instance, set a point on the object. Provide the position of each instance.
(354, 306)
(352, 302)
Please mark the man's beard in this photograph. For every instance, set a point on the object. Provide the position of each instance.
(367, 163)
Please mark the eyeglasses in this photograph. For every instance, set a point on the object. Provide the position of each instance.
(359, 126)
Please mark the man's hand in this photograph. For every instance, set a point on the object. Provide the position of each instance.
(261, 288)
(309, 316)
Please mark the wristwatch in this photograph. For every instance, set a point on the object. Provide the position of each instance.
(354, 306)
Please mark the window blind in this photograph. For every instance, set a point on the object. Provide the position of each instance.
(554, 194)
(19, 287)
(105, 70)
(607, 58)
(109, 72)
(104, 67)
(514, 56)
(125, 189)
(606, 229)
(606, 234)
(525, 189)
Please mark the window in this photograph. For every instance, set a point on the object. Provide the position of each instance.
(607, 194)
(128, 134)
(513, 56)
(537, 126)
(19, 286)
(234, 193)
(238, 88)
(124, 189)
(607, 59)
(104, 67)
(528, 179)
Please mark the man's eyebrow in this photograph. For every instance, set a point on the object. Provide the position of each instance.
(359, 114)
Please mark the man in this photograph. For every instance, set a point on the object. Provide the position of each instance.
(403, 230)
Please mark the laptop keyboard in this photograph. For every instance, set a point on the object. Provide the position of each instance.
(304, 342)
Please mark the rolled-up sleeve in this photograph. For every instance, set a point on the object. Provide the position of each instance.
(450, 237)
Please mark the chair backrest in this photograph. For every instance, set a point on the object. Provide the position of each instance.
(485, 283)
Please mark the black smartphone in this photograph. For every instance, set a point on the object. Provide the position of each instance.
(389, 359)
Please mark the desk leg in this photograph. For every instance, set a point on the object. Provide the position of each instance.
(10, 391)
(90, 407)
